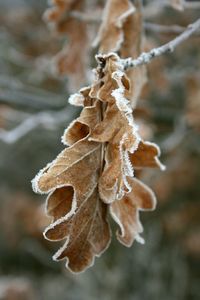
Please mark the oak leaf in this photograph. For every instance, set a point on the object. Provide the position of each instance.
(111, 35)
(126, 211)
(121, 31)
(94, 173)
(78, 214)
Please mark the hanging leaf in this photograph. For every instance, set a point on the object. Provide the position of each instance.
(121, 31)
(95, 171)
(126, 212)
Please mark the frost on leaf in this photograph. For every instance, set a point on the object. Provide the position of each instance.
(126, 212)
(121, 31)
(117, 129)
(78, 214)
(94, 175)
(86, 232)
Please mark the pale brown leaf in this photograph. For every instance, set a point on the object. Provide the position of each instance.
(111, 36)
(95, 172)
(66, 62)
(87, 232)
(121, 31)
(146, 156)
(78, 214)
(126, 212)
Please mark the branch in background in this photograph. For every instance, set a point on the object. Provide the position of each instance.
(192, 4)
(176, 137)
(164, 28)
(48, 120)
(158, 28)
(155, 7)
(146, 57)
(30, 99)
(85, 17)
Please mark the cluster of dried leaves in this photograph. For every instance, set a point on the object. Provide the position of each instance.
(94, 176)
(66, 62)
(66, 16)
(73, 59)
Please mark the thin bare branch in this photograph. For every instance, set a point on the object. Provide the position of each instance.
(49, 120)
(85, 17)
(192, 4)
(149, 26)
(164, 28)
(146, 57)
(30, 99)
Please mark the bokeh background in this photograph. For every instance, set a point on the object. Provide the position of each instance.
(33, 115)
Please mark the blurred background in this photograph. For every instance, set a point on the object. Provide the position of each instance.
(33, 115)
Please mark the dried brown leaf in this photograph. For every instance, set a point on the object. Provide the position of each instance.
(111, 36)
(95, 171)
(87, 232)
(66, 62)
(121, 31)
(78, 214)
(126, 212)
(146, 156)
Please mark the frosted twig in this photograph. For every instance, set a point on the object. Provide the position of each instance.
(146, 57)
